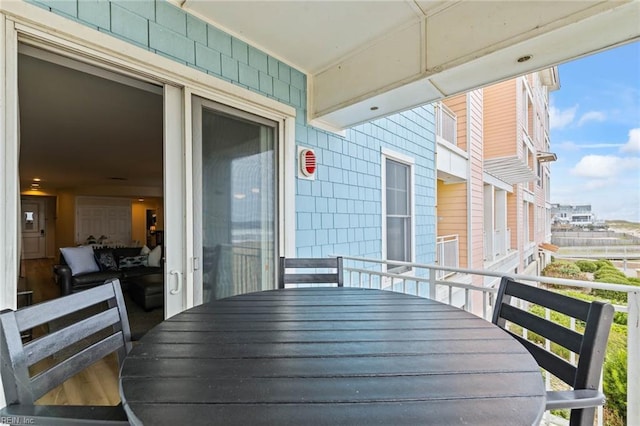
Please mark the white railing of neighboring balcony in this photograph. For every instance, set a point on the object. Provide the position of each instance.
(447, 254)
(422, 281)
(446, 123)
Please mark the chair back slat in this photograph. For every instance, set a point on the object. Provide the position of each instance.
(55, 376)
(310, 278)
(53, 309)
(555, 365)
(52, 343)
(84, 337)
(589, 347)
(576, 308)
(335, 277)
(563, 336)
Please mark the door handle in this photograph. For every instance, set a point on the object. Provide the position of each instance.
(178, 287)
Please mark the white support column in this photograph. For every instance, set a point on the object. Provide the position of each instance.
(9, 149)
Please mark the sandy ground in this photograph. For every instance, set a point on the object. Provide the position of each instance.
(631, 228)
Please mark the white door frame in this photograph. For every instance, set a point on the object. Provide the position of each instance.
(36, 26)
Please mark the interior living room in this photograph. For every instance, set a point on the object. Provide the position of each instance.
(91, 177)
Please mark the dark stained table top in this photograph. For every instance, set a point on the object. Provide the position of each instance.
(330, 356)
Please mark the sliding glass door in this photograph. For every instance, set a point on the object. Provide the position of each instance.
(235, 205)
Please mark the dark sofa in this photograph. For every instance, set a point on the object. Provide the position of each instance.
(73, 283)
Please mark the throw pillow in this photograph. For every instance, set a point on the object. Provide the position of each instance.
(80, 259)
(126, 262)
(155, 256)
(106, 260)
(145, 250)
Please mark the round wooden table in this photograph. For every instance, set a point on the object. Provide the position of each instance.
(330, 356)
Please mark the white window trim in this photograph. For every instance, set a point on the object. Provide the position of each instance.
(34, 26)
(388, 154)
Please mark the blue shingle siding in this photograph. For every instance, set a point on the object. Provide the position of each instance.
(340, 212)
(96, 12)
(146, 9)
(171, 17)
(129, 25)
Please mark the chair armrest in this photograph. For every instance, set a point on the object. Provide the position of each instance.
(63, 278)
(62, 415)
(579, 398)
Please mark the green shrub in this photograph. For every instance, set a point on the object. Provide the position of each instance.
(602, 262)
(613, 296)
(634, 281)
(587, 265)
(613, 279)
(614, 381)
(620, 318)
(608, 270)
(563, 269)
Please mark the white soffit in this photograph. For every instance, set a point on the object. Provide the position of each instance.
(360, 53)
(309, 35)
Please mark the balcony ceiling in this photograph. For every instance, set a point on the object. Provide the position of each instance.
(368, 59)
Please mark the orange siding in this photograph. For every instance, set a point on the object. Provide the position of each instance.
(452, 214)
(458, 105)
(500, 120)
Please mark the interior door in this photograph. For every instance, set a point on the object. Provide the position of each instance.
(235, 200)
(33, 228)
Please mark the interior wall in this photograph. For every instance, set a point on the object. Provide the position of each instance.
(65, 225)
(139, 218)
(65, 214)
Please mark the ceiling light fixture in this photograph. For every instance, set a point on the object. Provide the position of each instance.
(524, 58)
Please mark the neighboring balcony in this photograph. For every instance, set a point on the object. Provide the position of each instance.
(497, 244)
(452, 162)
(447, 254)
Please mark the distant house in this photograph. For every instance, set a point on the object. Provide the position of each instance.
(574, 215)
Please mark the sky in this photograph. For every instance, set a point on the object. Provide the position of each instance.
(595, 132)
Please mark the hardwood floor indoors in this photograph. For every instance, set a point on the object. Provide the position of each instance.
(98, 384)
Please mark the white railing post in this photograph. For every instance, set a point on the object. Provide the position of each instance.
(633, 356)
(432, 283)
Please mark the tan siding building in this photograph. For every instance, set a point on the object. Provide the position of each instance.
(493, 176)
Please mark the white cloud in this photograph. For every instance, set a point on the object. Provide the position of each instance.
(591, 116)
(572, 146)
(633, 144)
(604, 166)
(559, 119)
(597, 184)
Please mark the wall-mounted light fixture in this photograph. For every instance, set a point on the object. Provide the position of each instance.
(546, 157)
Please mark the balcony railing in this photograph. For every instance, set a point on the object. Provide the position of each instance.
(447, 254)
(479, 300)
(446, 123)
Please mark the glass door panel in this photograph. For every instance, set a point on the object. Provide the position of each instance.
(235, 184)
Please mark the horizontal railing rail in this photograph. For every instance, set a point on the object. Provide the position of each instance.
(467, 293)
